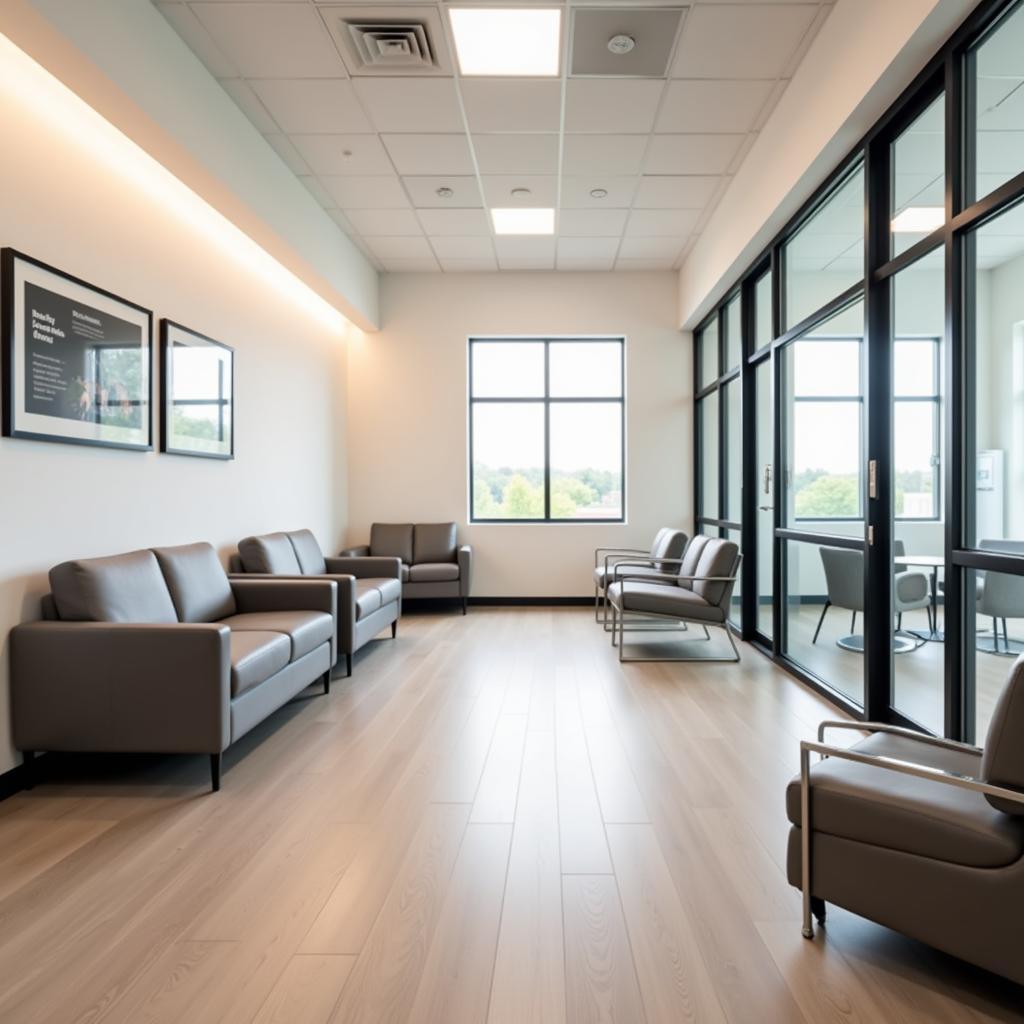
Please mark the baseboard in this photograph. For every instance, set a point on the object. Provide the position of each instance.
(12, 781)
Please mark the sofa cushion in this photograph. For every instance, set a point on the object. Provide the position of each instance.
(198, 584)
(390, 589)
(433, 572)
(665, 599)
(901, 812)
(433, 542)
(307, 551)
(307, 630)
(670, 544)
(393, 540)
(272, 552)
(368, 597)
(691, 558)
(1003, 760)
(118, 588)
(255, 657)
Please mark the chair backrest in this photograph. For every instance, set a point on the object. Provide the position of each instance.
(668, 543)
(1002, 595)
(307, 551)
(197, 582)
(691, 558)
(720, 558)
(1002, 764)
(844, 577)
(392, 540)
(899, 549)
(117, 588)
(269, 553)
(432, 542)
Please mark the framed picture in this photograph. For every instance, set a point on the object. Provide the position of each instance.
(197, 412)
(77, 360)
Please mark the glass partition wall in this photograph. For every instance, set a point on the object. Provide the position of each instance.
(860, 405)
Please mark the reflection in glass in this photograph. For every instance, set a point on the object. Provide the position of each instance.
(508, 460)
(708, 418)
(919, 178)
(763, 311)
(707, 351)
(586, 460)
(586, 369)
(508, 369)
(733, 335)
(734, 452)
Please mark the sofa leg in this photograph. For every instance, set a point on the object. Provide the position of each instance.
(818, 908)
(215, 772)
(465, 602)
(348, 666)
(394, 629)
(28, 768)
(327, 681)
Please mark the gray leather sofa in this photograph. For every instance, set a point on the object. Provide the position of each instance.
(369, 591)
(433, 564)
(157, 651)
(920, 834)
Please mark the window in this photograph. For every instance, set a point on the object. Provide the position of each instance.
(919, 178)
(763, 311)
(547, 423)
(733, 335)
(916, 427)
(707, 353)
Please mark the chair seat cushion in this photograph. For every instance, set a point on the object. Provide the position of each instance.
(390, 589)
(433, 572)
(901, 812)
(599, 573)
(306, 630)
(368, 598)
(255, 657)
(664, 599)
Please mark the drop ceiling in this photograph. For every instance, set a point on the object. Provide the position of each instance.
(409, 161)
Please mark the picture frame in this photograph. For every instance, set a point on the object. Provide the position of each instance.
(197, 383)
(77, 359)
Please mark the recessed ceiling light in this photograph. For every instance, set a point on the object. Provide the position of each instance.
(507, 41)
(519, 193)
(524, 221)
(444, 192)
(621, 44)
(598, 193)
(918, 220)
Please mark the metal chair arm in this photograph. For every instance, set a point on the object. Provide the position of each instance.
(671, 576)
(615, 551)
(898, 730)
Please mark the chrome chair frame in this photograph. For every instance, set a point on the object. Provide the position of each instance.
(601, 595)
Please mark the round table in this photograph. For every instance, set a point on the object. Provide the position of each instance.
(935, 563)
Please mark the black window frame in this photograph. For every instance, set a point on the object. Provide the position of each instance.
(547, 400)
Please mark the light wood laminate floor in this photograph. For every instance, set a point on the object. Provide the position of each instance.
(492, 821)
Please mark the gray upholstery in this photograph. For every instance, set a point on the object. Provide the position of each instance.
(306, 630)
(668, 543)
(659, 599)
(717, 559)
(844, 577)
(392, 540)
(118, 588)
(433, 572)
(198, 584)
(307, 551)
(255, 657)
(432, 543)
(1003, 760)
(368, 598)
(270, 553)
(691, 559)
(601, 579)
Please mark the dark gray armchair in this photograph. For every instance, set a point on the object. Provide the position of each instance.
(923, 835)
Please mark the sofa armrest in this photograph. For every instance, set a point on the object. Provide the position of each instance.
(465, 554)
(117, 686)
(366, 567)
(290, 594)
(362, 551)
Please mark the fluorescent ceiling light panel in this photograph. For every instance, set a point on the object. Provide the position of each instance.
(524, 221)
(507, 41)
(918, 220)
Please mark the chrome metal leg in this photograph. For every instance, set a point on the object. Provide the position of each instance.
(805, 841)
(597, 604)
(828, 604)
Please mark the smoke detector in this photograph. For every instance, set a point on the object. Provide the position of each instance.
(598, 193)
(444, 192)
(520, 193)
(621, 44)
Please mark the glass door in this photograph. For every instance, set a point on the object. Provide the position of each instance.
(765, 457)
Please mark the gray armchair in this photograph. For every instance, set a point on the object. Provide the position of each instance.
(1001, 597)
(369, 591)
(699, 592)
(920, 834)
(432, 562)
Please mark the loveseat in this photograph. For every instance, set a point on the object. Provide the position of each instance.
(433, 564)
(157, 651)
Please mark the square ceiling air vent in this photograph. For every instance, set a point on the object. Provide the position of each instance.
(633, 42)
(393, 41)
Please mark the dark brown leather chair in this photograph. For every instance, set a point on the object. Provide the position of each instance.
(369, 591)
(157, 651)
(920, 834)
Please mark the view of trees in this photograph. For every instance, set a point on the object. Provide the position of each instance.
(509, 493)
(818, 494)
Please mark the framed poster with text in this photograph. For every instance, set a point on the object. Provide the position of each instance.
(77, 360)
(197, 410)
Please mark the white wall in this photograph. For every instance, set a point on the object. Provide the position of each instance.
(63, 202)
(408, 414)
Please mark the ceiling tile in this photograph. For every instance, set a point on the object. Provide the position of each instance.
(611, 104)
(312, 105)
(651, 223)
(692, 154)
(463, 247)
(591, 264)
(591, 223)
(412, 265)
(704, 106)
(516, 154)
(343, 154)
(517, 263)
(741, 40)
(644, 264)
(454, 222)
(576, 192)
(603, 154)
(249, 103)
(498, 189)
(465, 191)
(464, 266)
(520, 247)
(692, 192)
(342, 221)
(317, 190)
(282, 145)
(430, 154)
(388, 247)
(366, 193)
(516, 105)
(411, 104)
(272, 40)
(587, 248)
(381, 223)
(651, 248)
(191, 30)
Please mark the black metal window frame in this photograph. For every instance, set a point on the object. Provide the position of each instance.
(949, 74)
(548, 400)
